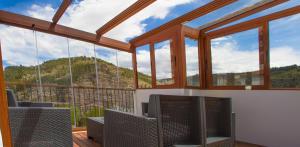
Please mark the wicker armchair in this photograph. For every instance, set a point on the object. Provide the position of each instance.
(39, 126)
(171, 121)
(123, 129)
(219, 122)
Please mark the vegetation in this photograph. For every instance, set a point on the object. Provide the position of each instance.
(285, 77)
(83, 73)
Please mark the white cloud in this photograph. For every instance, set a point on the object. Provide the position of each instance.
(89, 15)
(227, 57)
(284, 56)
(41, 12)
(192, 64)
(134, 26)
(18, 44)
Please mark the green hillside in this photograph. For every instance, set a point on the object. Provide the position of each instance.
(83, 69)
(83, 72)
(286, 77)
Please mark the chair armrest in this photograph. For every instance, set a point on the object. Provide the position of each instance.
(125, 129)
(233, 117)
(40, 126)
(31, 104)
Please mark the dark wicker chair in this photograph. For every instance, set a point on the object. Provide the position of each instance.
(39, 125)
(123, 129)
(219, 122)
(171, 121)
(179, 119)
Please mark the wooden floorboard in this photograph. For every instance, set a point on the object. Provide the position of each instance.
(80, 140)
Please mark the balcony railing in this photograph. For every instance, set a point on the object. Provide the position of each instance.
(83, 101)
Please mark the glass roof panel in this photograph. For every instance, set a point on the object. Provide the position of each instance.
(220, 13)
(42, 9)
(277, 8)
(90, 15)
(153, 16)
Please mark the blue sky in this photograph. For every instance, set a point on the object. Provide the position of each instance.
(89, 15)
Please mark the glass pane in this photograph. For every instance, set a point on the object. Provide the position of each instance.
(54, 69)
(163, 64)
(235, 59)
(219, 13)
(42, 9)
(271, 10)
(107, 65)
(192, 62)
(82, 63)
(20, 63)
(144, 66)
(285, 52)
(126, 74)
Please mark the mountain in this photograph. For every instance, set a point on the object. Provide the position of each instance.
(83, 73)
(286, 77)
(83, 69)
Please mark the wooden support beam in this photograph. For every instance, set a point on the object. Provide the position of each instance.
(190, 32)
(130, 11)
(60, 30)
(61, 10)
(260, 6)
(4, 119)
(203, 10)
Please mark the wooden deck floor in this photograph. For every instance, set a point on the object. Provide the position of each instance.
(80, 140)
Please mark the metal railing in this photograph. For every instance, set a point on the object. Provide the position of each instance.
(88, 101)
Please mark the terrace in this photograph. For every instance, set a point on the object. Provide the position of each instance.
(97, 59)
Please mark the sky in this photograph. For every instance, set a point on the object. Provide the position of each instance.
(18, 45)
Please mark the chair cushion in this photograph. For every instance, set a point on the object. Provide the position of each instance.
(12, 102)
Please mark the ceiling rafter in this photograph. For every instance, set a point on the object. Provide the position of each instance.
(60, 30)
(260, 6)
(130, 11)
(203, 10)
(61, 10)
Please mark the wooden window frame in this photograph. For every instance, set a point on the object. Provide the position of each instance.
(172, 34)
(135, 67)
(173, 62)
(263, 53)
(262, 22)
(184, 63)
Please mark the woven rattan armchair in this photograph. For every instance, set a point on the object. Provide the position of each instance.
(38, 124)
(171, 121)
(123, 129)
(219, 122)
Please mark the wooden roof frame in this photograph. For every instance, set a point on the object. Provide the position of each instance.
(203, 10)
(60, 30)
(130, 11)
(260, 6)
(61, 10)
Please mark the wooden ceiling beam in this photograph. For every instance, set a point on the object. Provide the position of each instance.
(260, 6)
(61, 10)
(60, 30)
(190, 32)
(203, 10)
(130, 11)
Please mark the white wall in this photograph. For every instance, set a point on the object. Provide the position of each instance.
(270, 118)
(1, 144)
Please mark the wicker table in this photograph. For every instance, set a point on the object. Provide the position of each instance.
(95, 128)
